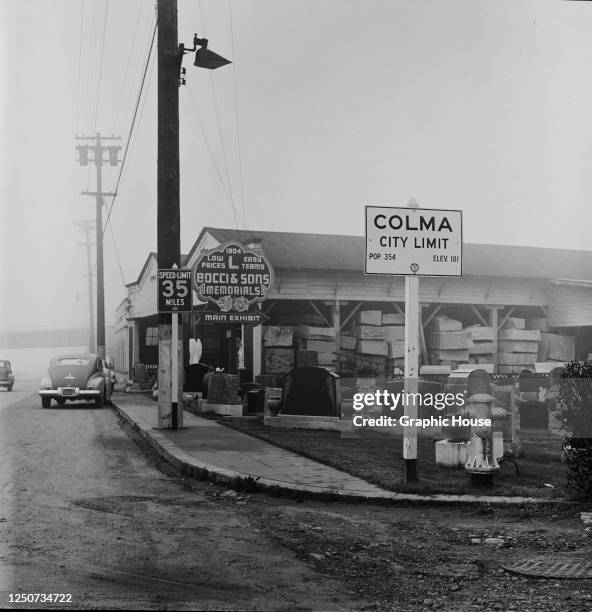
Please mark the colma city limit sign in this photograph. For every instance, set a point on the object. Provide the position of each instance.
(413, 242)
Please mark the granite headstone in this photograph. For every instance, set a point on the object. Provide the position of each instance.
(311, 391)
(223, 389)
(194, 375)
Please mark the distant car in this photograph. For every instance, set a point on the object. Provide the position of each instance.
(77, 377)
(6, 375)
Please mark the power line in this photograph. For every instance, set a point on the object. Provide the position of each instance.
(133, 123)
(220, 135)
(79, 62)
(134, 136)
(237, 217)
(90, 65)
(116, 250)
(128, 63)
(195, 110)
(236, 113)
(102, 56)
(228, 189)
(217, 113)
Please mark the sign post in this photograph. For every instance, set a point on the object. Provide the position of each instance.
(175, 296)
(412, 242)
(411, 386)
(175, 416)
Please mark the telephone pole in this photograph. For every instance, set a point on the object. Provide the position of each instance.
(97, 149)
(168, 214)
(87, 226)
(170, 77)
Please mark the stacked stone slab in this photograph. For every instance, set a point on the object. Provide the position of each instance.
(278, 353)
(274, 335)
(395, 336)
(483, 349)
(369, 334)
(379, 334)
(540, 323)
(557, 347)
(518, 347)
(301, 319)
(552, 347)
(347, 343)
(315, 345)
(448, 344)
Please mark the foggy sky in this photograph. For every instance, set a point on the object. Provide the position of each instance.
(329, 106)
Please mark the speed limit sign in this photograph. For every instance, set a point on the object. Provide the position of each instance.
(174, 290)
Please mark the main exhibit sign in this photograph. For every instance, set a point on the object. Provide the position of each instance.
(232, 279)
(413, 241)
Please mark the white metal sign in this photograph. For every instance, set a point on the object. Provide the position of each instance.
(413, 241)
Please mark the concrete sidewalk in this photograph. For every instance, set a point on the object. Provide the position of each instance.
(205, 447)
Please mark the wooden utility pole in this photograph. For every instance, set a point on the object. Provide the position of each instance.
(87, 227)
(168, 215)
(97, 148)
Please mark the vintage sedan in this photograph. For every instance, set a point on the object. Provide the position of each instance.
(77, 377)
(6, 375)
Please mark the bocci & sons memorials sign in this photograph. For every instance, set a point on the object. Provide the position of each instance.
(232, 278)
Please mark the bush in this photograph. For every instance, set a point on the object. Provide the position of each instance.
(573, 403)
(578, 458)
(573, 399)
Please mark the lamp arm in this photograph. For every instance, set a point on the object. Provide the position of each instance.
(197, 42)
(202, 42)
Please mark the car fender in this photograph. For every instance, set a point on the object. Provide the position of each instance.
(97, 381)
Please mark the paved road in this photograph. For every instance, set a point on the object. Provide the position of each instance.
(22, 389)
(84, 510)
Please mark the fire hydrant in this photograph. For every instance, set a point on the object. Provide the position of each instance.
(481, 461)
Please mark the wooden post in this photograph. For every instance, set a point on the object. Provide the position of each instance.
(516, 447)
(256, 350)
(425, 358)
(337, 323)
(493, 324)
(175, 371)
(168, 210)
(164, 377)
(411, 374)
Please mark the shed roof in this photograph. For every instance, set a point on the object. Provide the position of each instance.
(317, 251)
(151, 255)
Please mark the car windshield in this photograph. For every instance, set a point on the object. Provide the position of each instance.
(4, 364)
(70, 361)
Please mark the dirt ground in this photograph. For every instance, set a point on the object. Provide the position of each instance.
(85, 508)
(418, 558)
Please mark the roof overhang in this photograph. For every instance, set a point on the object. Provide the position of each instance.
(568, 282)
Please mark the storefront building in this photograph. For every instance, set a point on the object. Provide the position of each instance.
(319, 282)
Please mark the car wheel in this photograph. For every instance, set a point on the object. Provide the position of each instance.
(61, 402)
(46, 402)
(99, 402)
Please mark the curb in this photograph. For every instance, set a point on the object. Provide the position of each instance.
(201, 470)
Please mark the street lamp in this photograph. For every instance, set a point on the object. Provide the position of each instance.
(204, 57)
